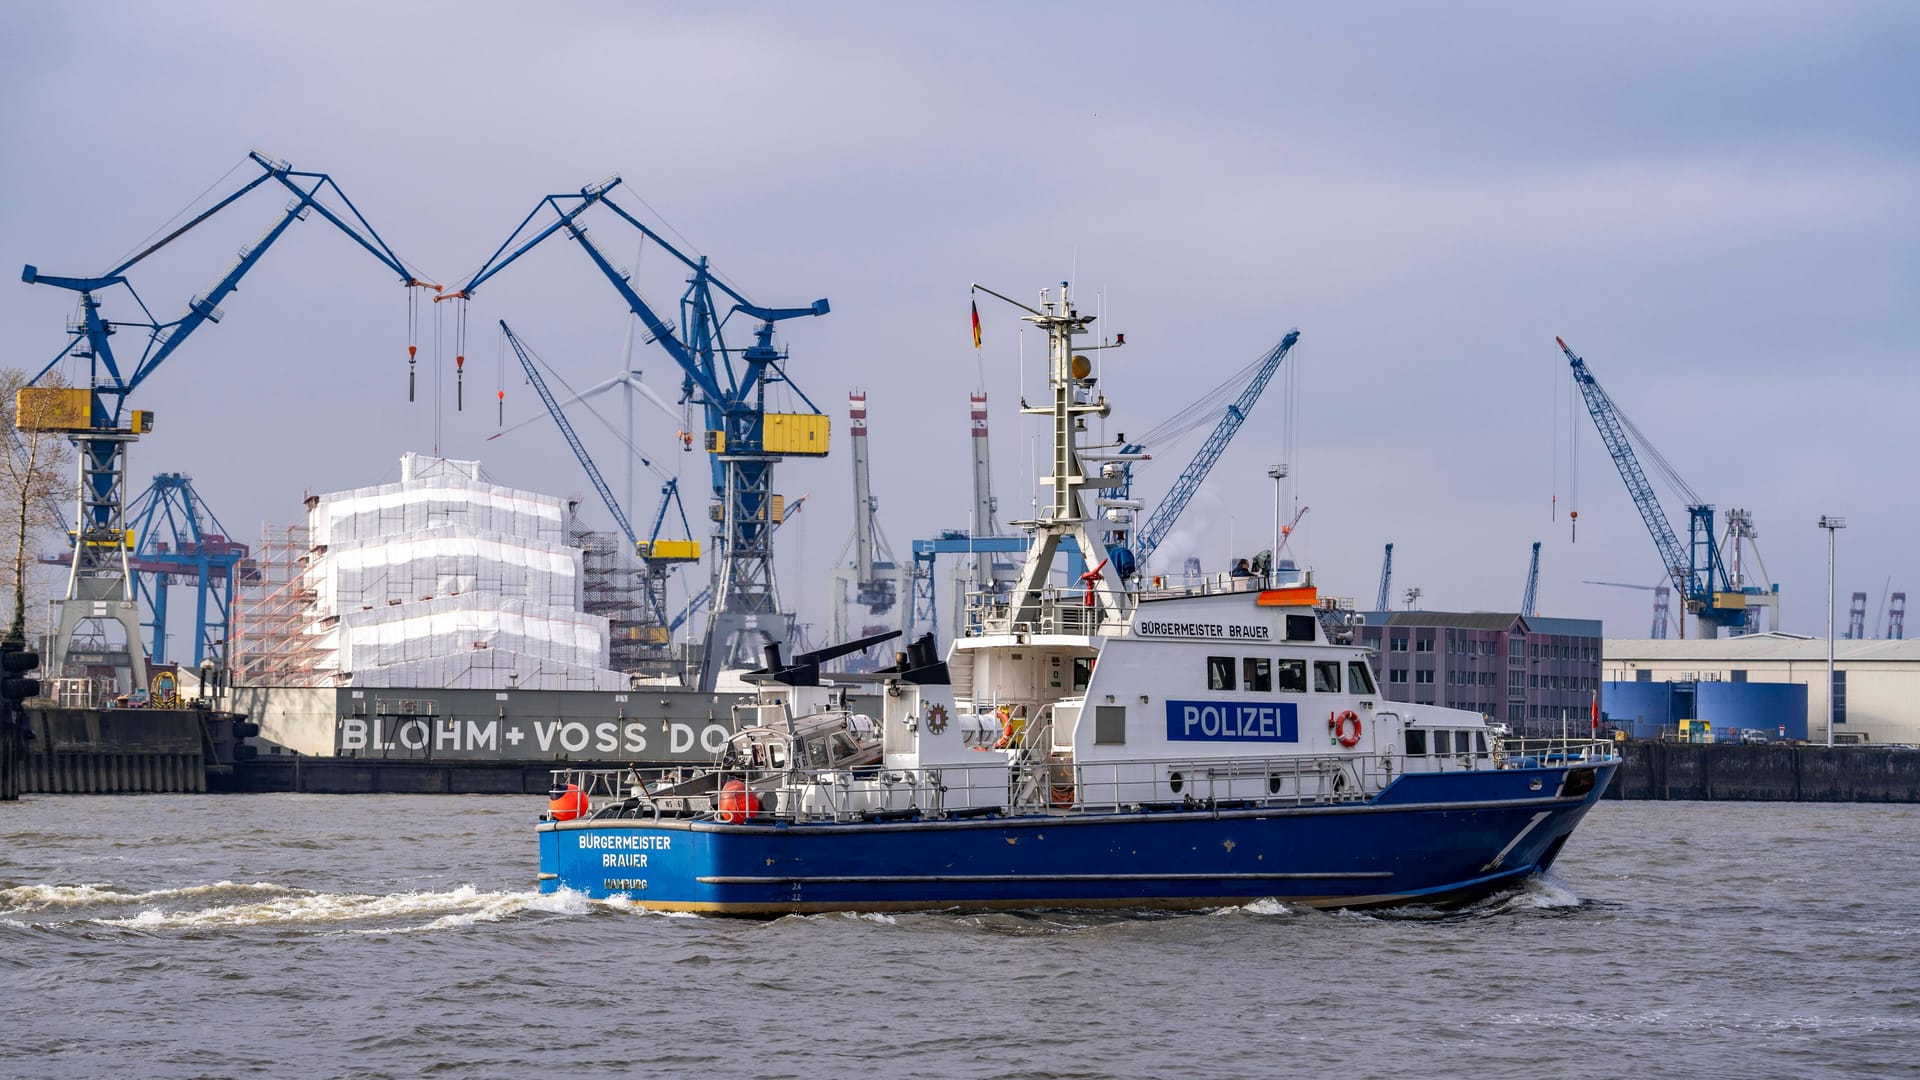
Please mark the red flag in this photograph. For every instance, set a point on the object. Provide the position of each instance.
(1596, 712)
(976, 323)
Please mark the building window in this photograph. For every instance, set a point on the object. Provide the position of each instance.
(1256, 674)
(1219, 672)
(1399, 644)
(1423, 676)
(1424, 644)
(1839, 696)
(1396, 676)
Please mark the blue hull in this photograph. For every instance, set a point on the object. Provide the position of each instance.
(1427, 837)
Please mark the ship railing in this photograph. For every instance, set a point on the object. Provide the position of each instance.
(638, 791)
(1032, 782)
(1533, 753)
(1058, 611)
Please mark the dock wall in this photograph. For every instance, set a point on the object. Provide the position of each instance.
(1771, 772)
(114, 751)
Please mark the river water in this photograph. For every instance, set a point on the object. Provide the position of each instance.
(372, 936)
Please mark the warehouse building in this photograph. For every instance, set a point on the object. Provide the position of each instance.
(1876, 684)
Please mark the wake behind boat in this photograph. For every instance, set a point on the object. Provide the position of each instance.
(1108, 742)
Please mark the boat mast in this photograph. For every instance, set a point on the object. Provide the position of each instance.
(1070, 378)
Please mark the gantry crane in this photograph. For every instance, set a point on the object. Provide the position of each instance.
(1162, 520)
(1696, 569)
(730, 383)
(1897, 616)
(178, 541)
(1857, 618)
(100, 586)
(658, 557)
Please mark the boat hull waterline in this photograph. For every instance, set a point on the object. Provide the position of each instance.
(1437, 838)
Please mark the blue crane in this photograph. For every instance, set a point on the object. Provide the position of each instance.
(96, 416)
(1386, 580)
(1162, 520)
(198, 551)
(659, 558)
(924, 616)
(1696, 569)
(1533, 583)
(573, 440)
(729, 382)
(179, 541)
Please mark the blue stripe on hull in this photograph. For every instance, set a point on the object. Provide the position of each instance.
(1469, 835)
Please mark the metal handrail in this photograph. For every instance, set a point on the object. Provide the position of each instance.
(1044, 784)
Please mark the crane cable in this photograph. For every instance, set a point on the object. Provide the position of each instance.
(460, 357)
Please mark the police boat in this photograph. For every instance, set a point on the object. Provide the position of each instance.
(1110, 740)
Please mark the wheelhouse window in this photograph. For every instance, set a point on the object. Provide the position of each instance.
(1293, 676)
(1359, 679)
(1256, 674)
(1416, 743)
(1326, 676)
(1219, 672)
(1463, 742)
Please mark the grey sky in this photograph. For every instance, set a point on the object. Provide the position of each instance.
(1713, 204)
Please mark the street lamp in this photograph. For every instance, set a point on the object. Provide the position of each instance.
(1832, 525)
(1279, 473)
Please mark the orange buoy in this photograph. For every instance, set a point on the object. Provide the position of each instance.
(567, 803)
(737, 802)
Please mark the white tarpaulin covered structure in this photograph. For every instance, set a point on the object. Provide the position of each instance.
(448, 580)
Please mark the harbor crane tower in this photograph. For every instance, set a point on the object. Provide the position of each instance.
(100, 587)
(729, 381)
(1699, 573)
(874, 580)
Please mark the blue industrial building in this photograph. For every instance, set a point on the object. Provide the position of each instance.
(1651, 710)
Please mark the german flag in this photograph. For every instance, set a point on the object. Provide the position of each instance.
(976, 322)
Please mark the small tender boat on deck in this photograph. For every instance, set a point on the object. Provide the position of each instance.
(1093, 744)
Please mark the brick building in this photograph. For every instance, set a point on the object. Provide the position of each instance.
(1530, 673)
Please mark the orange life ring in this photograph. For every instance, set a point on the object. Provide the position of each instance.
(1340, 722)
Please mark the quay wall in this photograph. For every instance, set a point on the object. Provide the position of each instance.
(1770, 772)
(113, 751)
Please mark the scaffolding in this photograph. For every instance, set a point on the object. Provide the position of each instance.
(444, 579)
(271, 645)
(612, 589)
